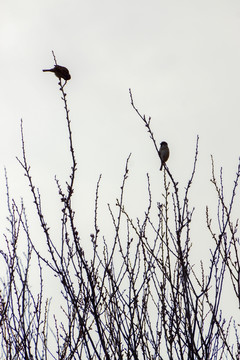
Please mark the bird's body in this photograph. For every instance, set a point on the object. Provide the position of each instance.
(163, 153)
(61, 72)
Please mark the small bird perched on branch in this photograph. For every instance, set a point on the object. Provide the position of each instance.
(163, 153)
(61, 72)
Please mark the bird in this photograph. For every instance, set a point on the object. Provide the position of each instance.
(61, 72)
(163, 153)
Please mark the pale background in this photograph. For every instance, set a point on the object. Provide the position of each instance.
(180, 58)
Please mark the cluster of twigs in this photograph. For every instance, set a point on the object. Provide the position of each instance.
(135, 296)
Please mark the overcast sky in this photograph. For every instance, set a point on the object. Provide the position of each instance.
(180, 58)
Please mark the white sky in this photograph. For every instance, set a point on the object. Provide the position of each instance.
(180, 58)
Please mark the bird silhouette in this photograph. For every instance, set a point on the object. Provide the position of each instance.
(163, 153)
(61, 72)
